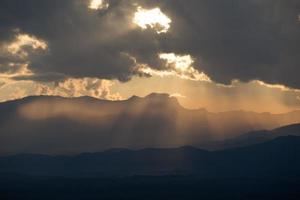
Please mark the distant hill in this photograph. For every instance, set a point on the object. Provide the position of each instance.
(255, 137)
(278, 158)
(57, 125)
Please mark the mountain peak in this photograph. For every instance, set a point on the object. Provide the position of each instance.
(158, 96)
(155, 97)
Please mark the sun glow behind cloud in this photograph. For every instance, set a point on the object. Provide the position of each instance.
(152, 18)
(98, 4)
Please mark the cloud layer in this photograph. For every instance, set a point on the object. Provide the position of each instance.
(229, 39)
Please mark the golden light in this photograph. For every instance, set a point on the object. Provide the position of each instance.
(98, 4)
(152, 18)
(15, 70)
(20, 47)
(179, 62)
(23, 40)
(275, 86)
(175, 65)
(182, 66)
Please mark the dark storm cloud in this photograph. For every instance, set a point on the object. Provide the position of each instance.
(246, 40)
(230, 39)
(81, 42)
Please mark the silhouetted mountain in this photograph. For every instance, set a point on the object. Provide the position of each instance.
(57, 125)
(277, 158)
(256, 137)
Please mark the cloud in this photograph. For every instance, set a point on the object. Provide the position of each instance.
(98, 4)
(174, 65)
(70, 87)
(59, 39)
(82, 43)
(152, 18)
(14, 70)
(84, 87)
(16, 51)
(22, 41)
(248, 40)
(275, 86)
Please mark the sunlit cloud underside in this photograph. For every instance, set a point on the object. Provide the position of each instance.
(176, 65)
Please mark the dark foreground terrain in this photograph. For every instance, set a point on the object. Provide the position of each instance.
(142, 187)
(269, 170)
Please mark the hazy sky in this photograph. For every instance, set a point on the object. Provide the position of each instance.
(218, 55)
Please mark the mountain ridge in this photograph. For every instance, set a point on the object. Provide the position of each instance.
(54, 125)
(275, 158)
(135, 97)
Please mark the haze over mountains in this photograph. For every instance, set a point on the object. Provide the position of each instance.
(56, 125)
(144, 148)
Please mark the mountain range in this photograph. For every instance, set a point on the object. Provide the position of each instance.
(277, 158)
(66, 126)
(144, 148)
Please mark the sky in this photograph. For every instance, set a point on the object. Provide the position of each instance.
(217, 55)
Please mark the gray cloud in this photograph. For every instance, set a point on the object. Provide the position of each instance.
(229, 39)
(239, 39)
